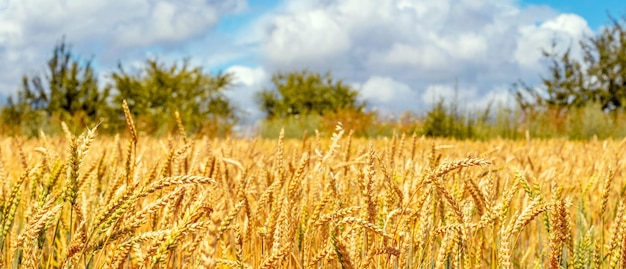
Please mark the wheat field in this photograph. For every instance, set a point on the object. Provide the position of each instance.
(331, 201)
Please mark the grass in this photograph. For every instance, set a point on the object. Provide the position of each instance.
(129, 201)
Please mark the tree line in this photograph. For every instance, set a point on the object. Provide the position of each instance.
(69, 91)
(599, 76)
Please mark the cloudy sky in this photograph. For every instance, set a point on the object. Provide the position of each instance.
(400, 54)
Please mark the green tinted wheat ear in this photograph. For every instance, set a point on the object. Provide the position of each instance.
(71, 180)
(584, 252)
(10, 208)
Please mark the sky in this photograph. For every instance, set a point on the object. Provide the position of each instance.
(399, 54)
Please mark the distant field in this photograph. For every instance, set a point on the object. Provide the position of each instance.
(321, 202)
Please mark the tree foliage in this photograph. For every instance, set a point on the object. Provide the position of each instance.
(67, 91)
(307, 93)
(598, 77)
(444, 120)
(156, 92)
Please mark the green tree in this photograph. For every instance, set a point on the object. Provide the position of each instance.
(599, 77)
(307, 93)
(560, 91)
(446, 121)
(436, 121)
(606, 56)
(156, 92)
(67, 91)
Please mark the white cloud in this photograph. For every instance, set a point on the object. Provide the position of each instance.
(307, 37)
(113, 30)
(498, 95)
(384, 90)
(435, 54)
(466, 46)
(247, 81)
(248, 76)
(571, 24)
(404, 53)
(428, 56)
(388, 95)
(566, 29)
(436, 92)
(122, 22)
(420, 33)
(469, 98)
(425, 45)
(165, 22)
